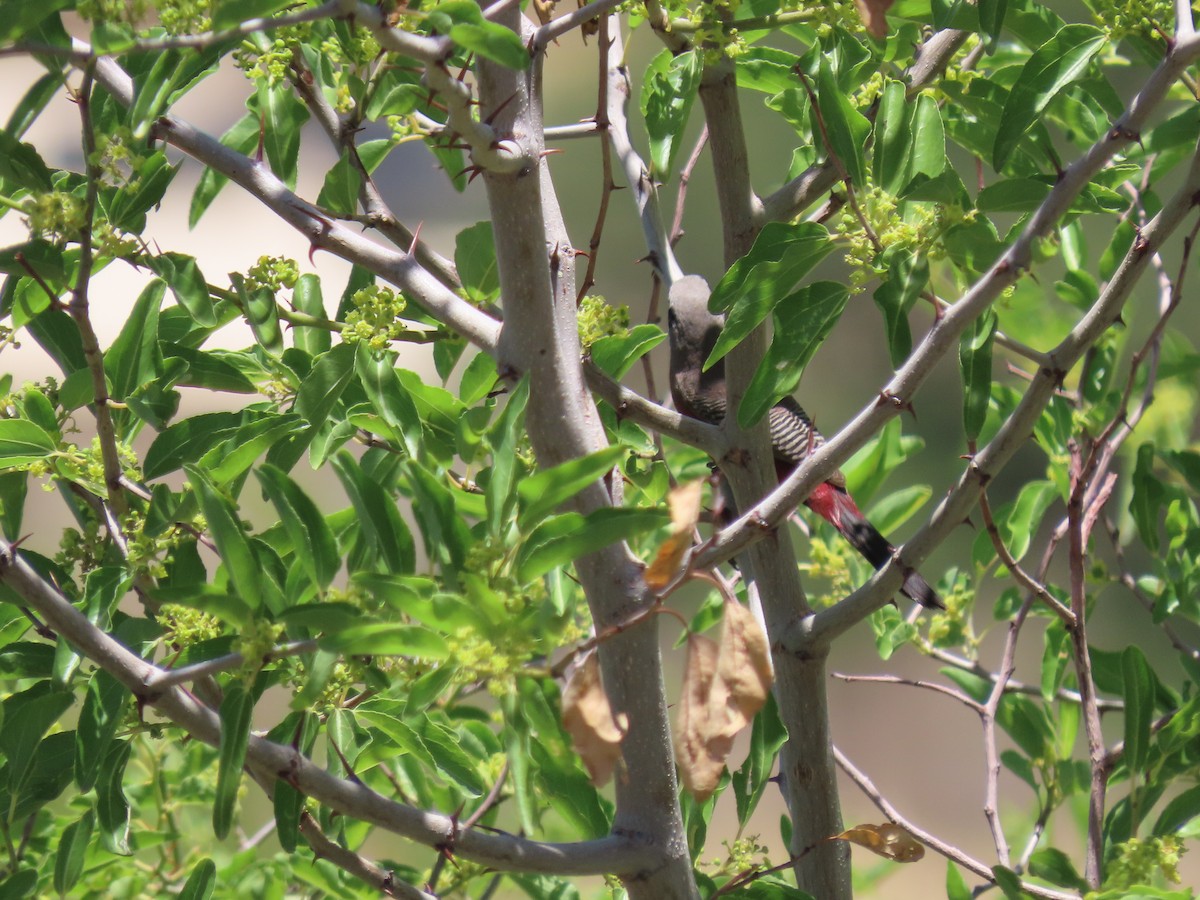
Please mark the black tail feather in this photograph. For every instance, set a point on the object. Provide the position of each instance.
(875, 549)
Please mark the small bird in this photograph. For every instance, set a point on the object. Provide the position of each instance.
(703, 395)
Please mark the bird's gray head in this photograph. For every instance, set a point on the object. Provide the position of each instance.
(692, 327)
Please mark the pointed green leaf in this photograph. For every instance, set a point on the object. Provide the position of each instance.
(27, 717)
(72, 850)
(306, 297)
(231, 13)
(187, 284)
(379, 522)
(616, 354)
(505, 435)
(782, 254)
(98, 720)
(389, 398)
(202, 881)
(282, 117)
(845, 128)
(22, 442)
(313, 543)
(566, 537)
(134, 359)
(893, 139)
(322, 388)
(975, 363)
(235, 712)
(242, 137)
(224, 526)
(112, 807)
(1057, 63)
(802, 322)
(384, 639)
(1139, 706)
(669, 88)
(339, 193)
(545, 490)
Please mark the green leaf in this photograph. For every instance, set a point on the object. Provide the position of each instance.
(1023, 519)
(1139, 706)
(1148, 497)
(112, 808)
(19, 885)
(339, 193)
(236, 708)
(893, 138)
(956, 884)
(225, 528)
(27, 717)
(846, 129)
(242, 138)
(475, 260)
(616, 354)
(313, 543)
(669, 88)
(288, 804)
(229, 459)
(322, 387)
(544, 491)
(282, 117)
(566, 537)
(384, 639)
(14, 487)
(975, 364)
(767, 737)
(991, 20)
(207, 370)
(21, 164)
(72, 850)
(782, 254)
(130, 204)
(379, 522)
(802, 322)
(1057, 63)
(505, 436)
(389, 398)
(908, 273)
(442, 527)
(102, 711)
(134, 358)
(1056, 867)
(153, 89)
(22, 442)
(929, 139)
(36, 99)
(895, 509)
(493, 41)
(306, 297)
(766, 69)
(190, 439)
(231, 13)
(478, 379)
(18, 17)
(1009, 883)
(203, 880)
(188, 285)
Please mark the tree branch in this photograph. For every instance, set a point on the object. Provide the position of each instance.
(617, 853)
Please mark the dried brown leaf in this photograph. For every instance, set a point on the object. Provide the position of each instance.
(889, 840)
(701, 745)
(544, 9)
(684, 503)
(595, 734)
(743, 668)
(873, 14)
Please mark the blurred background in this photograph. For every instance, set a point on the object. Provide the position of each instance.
(922, 750)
